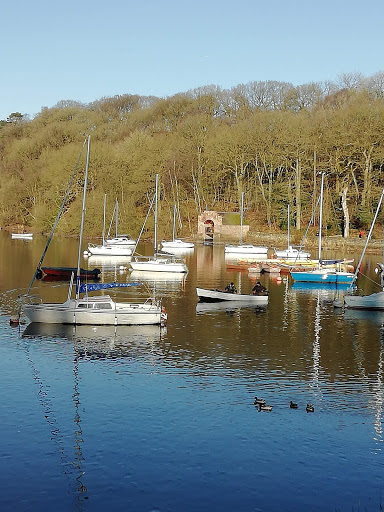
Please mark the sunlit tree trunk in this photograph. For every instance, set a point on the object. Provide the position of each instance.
(344, 206)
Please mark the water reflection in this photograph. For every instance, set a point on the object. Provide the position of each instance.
(179, 251)
(106, 263)
(106, 337)
(142, 409)
(160, 281)
(210, 307)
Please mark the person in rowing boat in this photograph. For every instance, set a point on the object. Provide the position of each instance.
(259, 289)
(230, 288)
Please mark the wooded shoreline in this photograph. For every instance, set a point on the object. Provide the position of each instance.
(208, 147)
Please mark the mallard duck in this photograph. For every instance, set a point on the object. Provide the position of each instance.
(265, 407)
(259, 401)
(310, 408)
(292, 405)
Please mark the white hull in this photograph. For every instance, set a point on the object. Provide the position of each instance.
(177, 244)
(22, 236)
(293, 254)
(109, 250)
(219, 296)
(159, 265)
(121, 241)
(246, 249)
(375, 301)
(101, 310)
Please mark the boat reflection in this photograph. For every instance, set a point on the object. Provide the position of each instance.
(324, 289)
(107, 334)
(178, 251)
(160, 280)
(108, 262)
(357, 315)
(211, 307)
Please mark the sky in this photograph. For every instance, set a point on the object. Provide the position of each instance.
(84, 50)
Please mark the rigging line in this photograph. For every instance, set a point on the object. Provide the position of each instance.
(368, 238)
(309, 225)
(57, 220)
(110, 224)
(146, 218)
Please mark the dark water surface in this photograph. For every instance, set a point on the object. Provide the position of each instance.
(143, 419)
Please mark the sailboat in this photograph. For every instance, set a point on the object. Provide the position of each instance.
(374, 301)
(244, 249)
(158, 262)
(112, 247)
(322, 275)
(93, 310)
(292, 253)
(120, 240)
(176, 243)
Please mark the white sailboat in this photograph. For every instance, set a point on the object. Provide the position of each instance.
(244, 249)
(176, 243)
(322, 275)
(93, 310)
(114, 246)
(292, 253)
(120, 240)
(158, 262)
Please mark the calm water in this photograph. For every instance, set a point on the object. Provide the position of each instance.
(143, 419)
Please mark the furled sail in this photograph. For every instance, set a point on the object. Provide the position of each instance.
(92, 287)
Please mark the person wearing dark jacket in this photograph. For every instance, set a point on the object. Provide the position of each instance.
(259, 289)
(230, 288)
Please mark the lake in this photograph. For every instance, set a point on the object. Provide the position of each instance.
(163, 420)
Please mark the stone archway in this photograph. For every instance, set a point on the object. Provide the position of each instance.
(209, 230)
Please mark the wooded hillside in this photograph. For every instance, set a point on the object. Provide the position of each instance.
(268, 139)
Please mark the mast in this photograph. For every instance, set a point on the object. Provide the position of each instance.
(289, 226)
(321, 215)
(156, 192)
(241, 218)
(82, 219)
(117, 218)
(174, 223)
(105, 205)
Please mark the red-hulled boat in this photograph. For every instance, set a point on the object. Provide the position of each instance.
(64, 273)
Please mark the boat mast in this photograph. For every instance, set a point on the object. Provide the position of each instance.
(105, 205)
(82, 219)
(241, 218)
(321, 215)
(117, 218)
(288, 226)
(156, 192)
(174, 223)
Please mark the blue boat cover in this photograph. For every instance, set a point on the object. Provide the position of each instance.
(91, 287)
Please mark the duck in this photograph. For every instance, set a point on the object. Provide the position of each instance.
(259, 401)
(310, 408)
(265, 407)
(292, 405)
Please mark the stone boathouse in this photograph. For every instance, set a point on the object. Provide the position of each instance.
(214, 226)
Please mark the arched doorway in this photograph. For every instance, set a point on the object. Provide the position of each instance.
(209, 230)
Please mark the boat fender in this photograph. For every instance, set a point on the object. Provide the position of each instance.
(39, 273)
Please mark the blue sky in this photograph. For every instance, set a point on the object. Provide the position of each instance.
(85, 50)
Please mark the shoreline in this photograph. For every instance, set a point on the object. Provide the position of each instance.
(272, 240)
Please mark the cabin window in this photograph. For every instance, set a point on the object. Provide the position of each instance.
(103, 305)
(85, 305)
